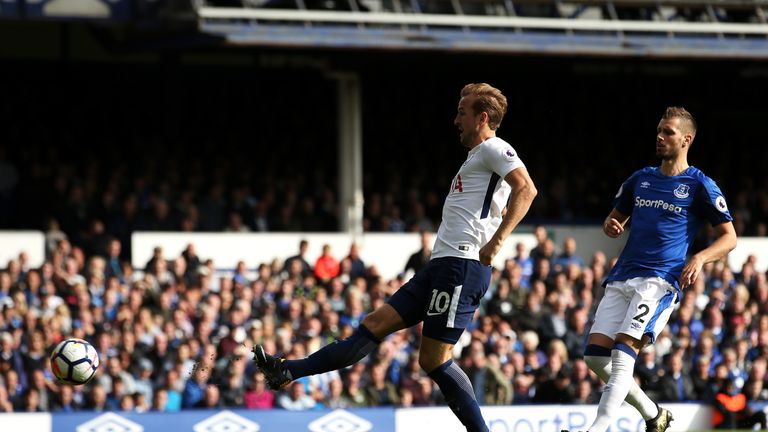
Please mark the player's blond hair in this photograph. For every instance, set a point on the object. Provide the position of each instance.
(489, 100)
(682, 114)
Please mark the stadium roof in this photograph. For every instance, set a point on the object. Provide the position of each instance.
(578, 32)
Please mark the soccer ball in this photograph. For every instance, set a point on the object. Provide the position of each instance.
(74, 361)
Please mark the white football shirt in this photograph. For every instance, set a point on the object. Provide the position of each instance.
(472, 210)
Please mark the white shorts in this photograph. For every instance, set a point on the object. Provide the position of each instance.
(635, 307)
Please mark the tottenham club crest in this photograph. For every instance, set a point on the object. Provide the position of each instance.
(682, 191)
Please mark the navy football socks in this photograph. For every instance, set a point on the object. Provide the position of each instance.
(337, 355)
(457, 389)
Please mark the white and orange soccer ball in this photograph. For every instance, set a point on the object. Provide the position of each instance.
(74, 361)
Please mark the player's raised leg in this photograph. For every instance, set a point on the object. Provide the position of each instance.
(376, 325)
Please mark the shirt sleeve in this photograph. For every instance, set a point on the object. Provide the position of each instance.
(711, 203)
(501, 158)
(623, 200)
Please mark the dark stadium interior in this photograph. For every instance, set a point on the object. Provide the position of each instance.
(264, 123)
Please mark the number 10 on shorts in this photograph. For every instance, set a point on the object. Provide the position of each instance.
(442, 301)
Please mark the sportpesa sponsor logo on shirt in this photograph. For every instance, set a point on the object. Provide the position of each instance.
(658, 203)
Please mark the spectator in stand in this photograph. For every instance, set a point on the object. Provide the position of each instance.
(555, 389)
(702, 380)
(336, 397)
(160, 400)
(523, 389)
(211, 398)
(30, 401)
(36, 356)
(97, 240)
(353, 389)
(685, 318)
(306, 269)
(174, 384)
(568, 256)
(194, 389)
(554, 323)
(502, 304)
(538, 251)
(676, 385)
(157, 256)
(45, 389)
(326, 266)
(357, 266)
(65, 401)
(5, 404)
(193, 264)
(419, 259)
(529, 318)
(380, 391)
(489, 383)
(525, 262)
(14, 388)
(712, 317)
(113, 267)
(576, 331)
(235, 224)
(10, 357)
(543, 273)
(732, 410)
(295, 399)
(53, 235)
(144, 384)
(258, 396)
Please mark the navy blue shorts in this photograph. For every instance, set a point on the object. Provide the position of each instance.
(445, 295)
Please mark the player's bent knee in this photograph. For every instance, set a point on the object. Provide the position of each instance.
(373, 323)
(383, 321)
(429, 364)
(434, 353)
(600, 340)
(636, 344)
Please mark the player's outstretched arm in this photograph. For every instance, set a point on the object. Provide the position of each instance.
(523, 193)
(614, 223)
(726, 242)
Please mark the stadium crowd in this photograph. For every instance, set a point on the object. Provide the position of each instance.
(92, 203)
(176, 334)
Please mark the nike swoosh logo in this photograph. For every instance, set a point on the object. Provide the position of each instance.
(433, 313)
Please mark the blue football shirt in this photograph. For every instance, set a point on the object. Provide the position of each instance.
(666, 214)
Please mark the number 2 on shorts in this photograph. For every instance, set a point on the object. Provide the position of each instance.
(644, 308)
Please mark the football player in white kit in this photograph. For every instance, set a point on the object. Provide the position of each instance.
(487, 199)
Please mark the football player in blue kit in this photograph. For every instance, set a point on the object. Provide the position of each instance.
(487, 199)
(668, 205)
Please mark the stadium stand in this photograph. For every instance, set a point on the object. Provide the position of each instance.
(90, 158)
(173, 335)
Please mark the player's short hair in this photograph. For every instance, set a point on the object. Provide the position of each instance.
(689, 123)
(488, 99)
